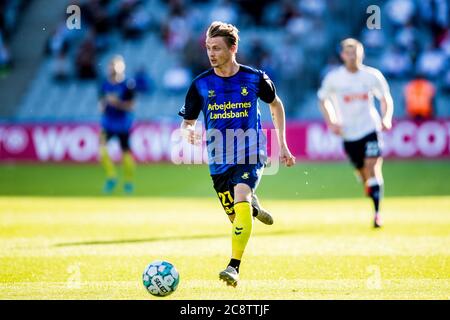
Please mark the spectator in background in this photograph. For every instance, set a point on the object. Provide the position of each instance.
(400, 12)
(125, 9)
(9, 15)
(446, 82)
(194, 54)
(319, 40)
(419, 98)
(176, 29)
(431, 62)
(299, 25)
(5, 57)
(288, 11)
(436, 13)
(445, 43)
(291, 60)
(144, 83)
(252, 10)
(60, 68)
(268, 63)
(406, 37)
(58, 42)
(315, 8)
(86, 59)
(225, 11)
(177, 79)
(374, 40)
(257, 53)
(97, 16)
(134, 20)
(396, 63)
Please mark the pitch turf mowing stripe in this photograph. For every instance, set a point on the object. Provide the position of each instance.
(298, 245)
(305, 180)
(247, 289)
(291, 283)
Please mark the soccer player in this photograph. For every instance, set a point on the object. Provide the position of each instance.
(116, 105)
(347, 103)
(227, 94)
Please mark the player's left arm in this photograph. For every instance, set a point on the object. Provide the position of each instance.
(387, 111)
(382, 92)
(268, 94)
(279, 121)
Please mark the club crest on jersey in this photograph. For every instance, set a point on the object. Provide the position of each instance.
(244, 91)
(211, 93)
(245, 176)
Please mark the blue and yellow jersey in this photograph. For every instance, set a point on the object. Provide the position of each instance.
(114, 119)
(231, 115)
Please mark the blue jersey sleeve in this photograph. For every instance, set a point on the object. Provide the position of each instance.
(267, 91)
(192, 105)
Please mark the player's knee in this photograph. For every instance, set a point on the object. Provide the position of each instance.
(370, 168)
(242, 192)
(102, 141)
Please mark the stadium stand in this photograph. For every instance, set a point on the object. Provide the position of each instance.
(295, 41)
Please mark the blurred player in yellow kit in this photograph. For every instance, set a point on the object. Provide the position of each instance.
(117, 95)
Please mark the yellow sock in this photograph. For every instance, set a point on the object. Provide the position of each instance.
(128, 167)
(107, 163)
(242, 229)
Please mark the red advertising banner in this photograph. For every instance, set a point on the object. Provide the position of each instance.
(154, 142)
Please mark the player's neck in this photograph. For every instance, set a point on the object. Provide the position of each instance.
(116, 78)
(227, 70)
(353, 68)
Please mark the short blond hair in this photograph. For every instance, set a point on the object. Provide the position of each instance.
(352, 43)
(226, 30)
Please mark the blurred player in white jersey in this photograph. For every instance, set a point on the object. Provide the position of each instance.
(347, 104)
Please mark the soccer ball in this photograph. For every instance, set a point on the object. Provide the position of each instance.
(160, 278)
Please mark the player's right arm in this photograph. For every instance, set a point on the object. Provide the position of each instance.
(329, 115)
(190, 112)
(188, 127)
(326, 107)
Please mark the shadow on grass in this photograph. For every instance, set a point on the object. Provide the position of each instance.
(168, 238)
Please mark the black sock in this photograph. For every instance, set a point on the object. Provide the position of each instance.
(255, 212)
(235, 264)
(375, 194)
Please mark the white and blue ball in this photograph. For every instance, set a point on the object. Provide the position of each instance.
(160, 278)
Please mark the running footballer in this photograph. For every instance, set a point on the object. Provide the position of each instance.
(117, 98)
(347, 103)
(227, 95)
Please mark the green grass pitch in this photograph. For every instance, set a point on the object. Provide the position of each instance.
(62, 239)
